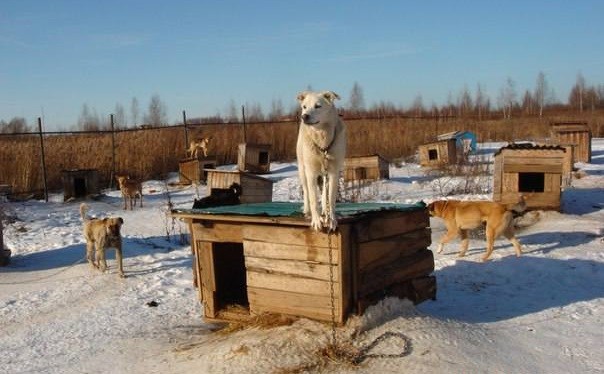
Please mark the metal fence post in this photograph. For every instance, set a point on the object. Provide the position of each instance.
(43, 159)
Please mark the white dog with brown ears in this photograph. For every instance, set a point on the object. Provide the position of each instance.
(320, 150)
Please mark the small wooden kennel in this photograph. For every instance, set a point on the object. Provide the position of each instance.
(264, 258)
(255, 158)
(439, 153)
(254, 189)
(80, 183)
(535, 171)
(577, 134)
(194, 171)
(373, 167)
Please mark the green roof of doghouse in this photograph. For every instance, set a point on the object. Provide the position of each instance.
(291, 211)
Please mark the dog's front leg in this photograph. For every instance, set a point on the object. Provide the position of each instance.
(330, 194)
(305, 188)
(118, 258)
(315, 218)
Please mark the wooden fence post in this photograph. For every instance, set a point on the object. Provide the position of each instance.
(184, 121)
(43, 159)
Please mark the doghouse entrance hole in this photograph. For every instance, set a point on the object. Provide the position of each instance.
(432, 154)
(79, 187)
(230, 276)
(360, 173)
(263, 158)
(531, 182)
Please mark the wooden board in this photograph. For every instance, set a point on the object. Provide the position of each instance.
(289, 235)
(417, 265)
(289, 252)
(381, 252)
(298, 304)
(390, 224)
(218, 232)
(289, 283)
(310, 270)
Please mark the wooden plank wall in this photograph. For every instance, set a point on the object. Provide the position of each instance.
(288, 271)
(391, 253)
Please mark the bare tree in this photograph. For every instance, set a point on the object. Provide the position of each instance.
(528, 103)
(156, 115)
(507, 98)
(541, 92)
(232, 114)
(89, 119)
(15, 125)
(357, 101)
(481, 101)
(577, 93)
(464, 103)
(277, 111)
(119, 116)
(134, 111)
(254, 113)
(417, 107)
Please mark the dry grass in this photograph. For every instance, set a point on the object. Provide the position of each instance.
(152, 153)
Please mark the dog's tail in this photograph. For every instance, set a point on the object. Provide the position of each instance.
(83, 210)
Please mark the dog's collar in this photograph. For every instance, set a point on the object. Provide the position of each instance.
(325, 150)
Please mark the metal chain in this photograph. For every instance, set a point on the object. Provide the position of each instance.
(331, 290)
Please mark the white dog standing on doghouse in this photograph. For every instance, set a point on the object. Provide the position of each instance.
(320, 150)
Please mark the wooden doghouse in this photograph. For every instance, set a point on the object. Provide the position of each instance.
(535, 171)
(373, 167)
(194, 170)
(438, 153)
(254, 189)
(577, 134)
(465, 141)
(80, 183)
(257, 258)
(255, 158)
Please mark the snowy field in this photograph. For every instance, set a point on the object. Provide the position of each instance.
(541, 313)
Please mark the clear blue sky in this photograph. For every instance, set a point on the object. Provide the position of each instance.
(197, 56)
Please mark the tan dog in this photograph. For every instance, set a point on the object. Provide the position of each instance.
(198, 144)
(101, 234)
(131, 189)
(321, 149)
(461, 216)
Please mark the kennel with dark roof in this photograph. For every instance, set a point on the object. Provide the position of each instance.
(80, 183)
(535, 171)
(251, 259)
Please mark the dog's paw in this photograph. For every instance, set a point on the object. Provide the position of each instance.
(440, 248)
(315, 223)
(330, 223)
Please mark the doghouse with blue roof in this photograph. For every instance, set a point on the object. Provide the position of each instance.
(264, 258)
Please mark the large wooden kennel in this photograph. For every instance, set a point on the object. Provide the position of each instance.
(254, 189)
(255, 158)
(257, 258)
(535, 171)
(80, 183)
(194, 170)
(372, 167)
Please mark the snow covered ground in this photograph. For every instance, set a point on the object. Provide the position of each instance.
(541, 313)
